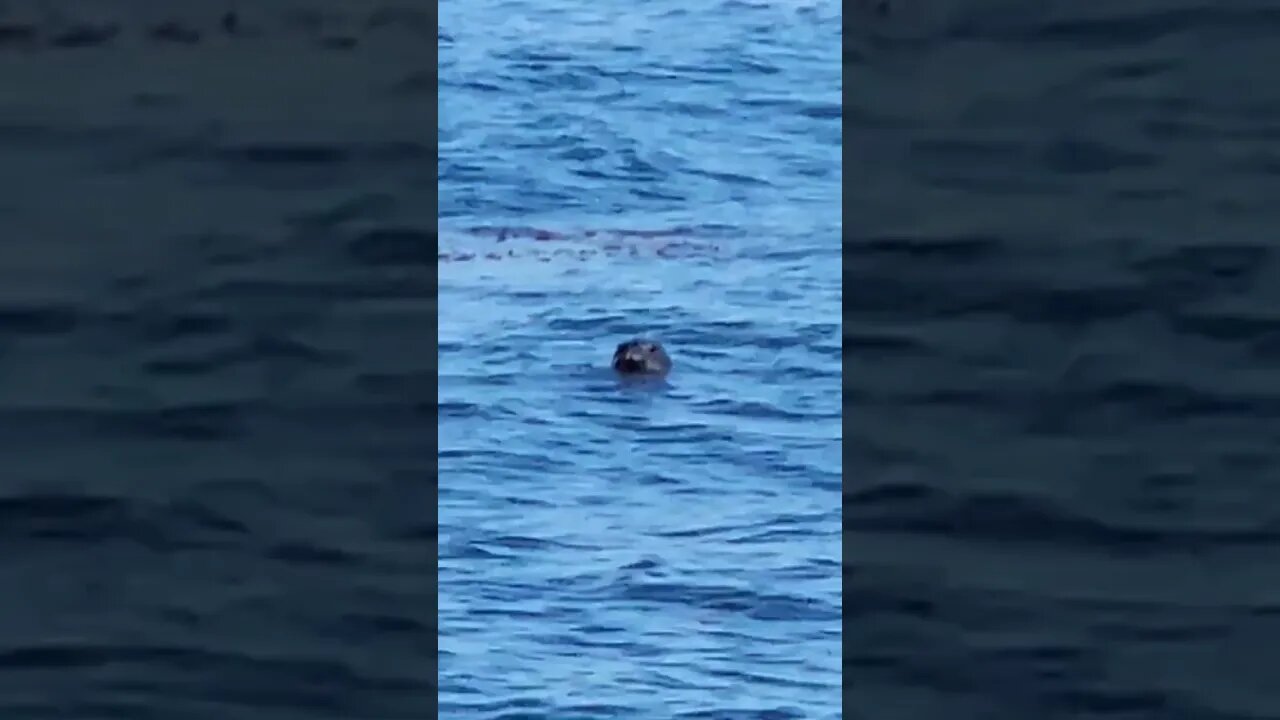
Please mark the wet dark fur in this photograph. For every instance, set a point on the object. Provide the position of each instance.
(641, 357)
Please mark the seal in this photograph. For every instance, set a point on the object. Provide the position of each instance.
(641, 357)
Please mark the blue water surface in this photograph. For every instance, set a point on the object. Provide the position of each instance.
(654, 550)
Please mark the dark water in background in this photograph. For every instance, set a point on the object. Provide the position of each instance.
(217, 492)
(1061, 269)
(662, 551)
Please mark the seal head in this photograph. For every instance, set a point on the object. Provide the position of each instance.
(641, 357)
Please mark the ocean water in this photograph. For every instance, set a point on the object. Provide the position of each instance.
(219, 391)
(217, 484)
(1061, 286)
(654, 550)
(217, 466)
